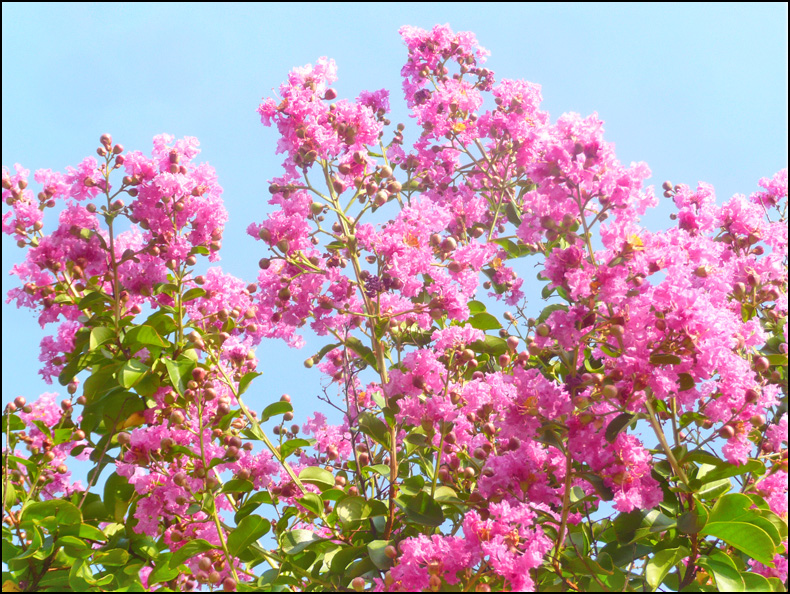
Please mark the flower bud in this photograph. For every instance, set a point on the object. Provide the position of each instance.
(727, 432)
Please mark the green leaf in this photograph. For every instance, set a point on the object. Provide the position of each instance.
(16, 423)
(131, 373)
(344, 557)
(715, 489)
(274, 409)
(292, 445)
(665, 359)
(193, 293)
(320, 477)
(117, 495)
(100, 335)
(691, 522)
(513, 214)
(724, 571)
(244, 383)
(725, 470)
(312, 502)
(64, 513)
(364, 352)
(746, 537)
(661, 564)
(192, 548)
(421, 509)
(374, 427)
(237, 486)
(180, 373)
(91, 533)
(80, 576)
(492, 345)
(484, 321)
(376, 552)
(163, 572)
(381, 469)
(686, 381)
(476, 307)
(111, 558)
(352, 510)
(777, 359)
(754, 582)
(145, 335)
(619, 423)
(249, 530)
(34, 533)
(296, 541)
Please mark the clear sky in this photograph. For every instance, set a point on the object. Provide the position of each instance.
(698, 91)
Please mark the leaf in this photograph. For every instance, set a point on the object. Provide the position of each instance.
(275, 409)
(492, 345)
(91, 533)
(746, 537)
(292, 445)
(484, 321)
(80, 576)
(312, 502)
(374, 427)
(320, 477)
(619, 423)
(421, 509)
(476, 307)
(364, 352)
(754, 582)
(691, 522)
(381, 469)
(725, 470)
(99, 336)
(296, 541)
(113, 557)
(180, 372)
(665, 359)
(661, 564)
(193, 293)
(344, 557)
(724, 571)
(117, 495)
(376, 552)
(64, 513)
(686, 381)
(244, 383)
(163, 572)
(248, 531)
(131, 373)
(145, 335)
(237, 486)
(352, 510)
(192, 548)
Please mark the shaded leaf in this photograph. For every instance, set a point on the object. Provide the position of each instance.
(249, 530)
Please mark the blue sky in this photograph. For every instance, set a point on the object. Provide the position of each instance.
(698, 91)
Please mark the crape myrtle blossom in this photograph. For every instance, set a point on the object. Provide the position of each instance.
(466, 452)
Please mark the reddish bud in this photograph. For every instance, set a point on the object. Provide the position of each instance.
(727, 432)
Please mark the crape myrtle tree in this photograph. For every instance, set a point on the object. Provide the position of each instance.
(631, 437)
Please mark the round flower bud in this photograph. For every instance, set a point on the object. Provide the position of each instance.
(727, 432)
